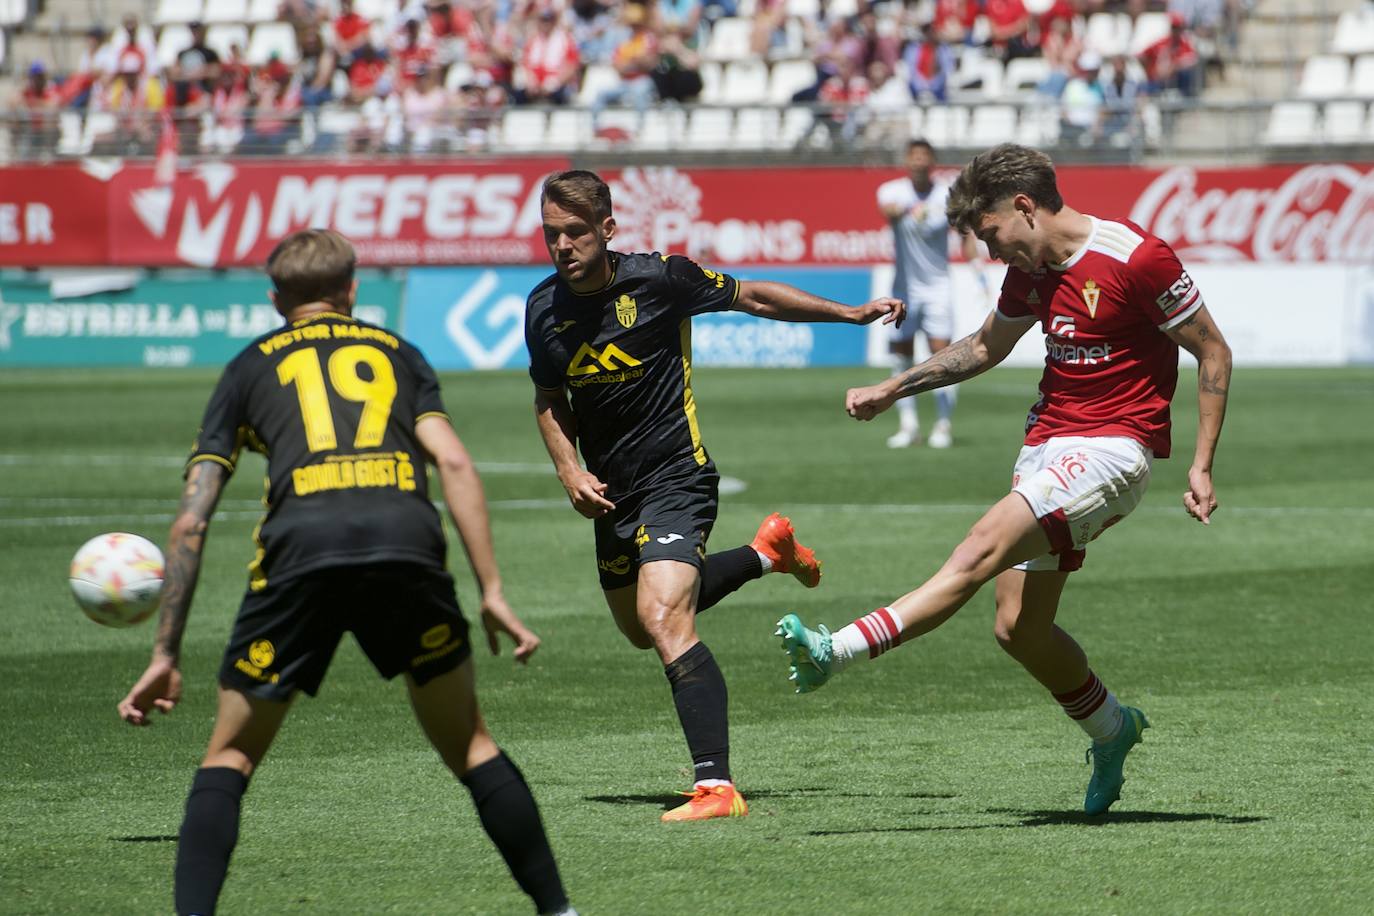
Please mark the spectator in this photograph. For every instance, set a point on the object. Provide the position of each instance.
(367, 75)
(770, 27)
(490, 47)
(1120, 99)
(412, 52)
(1172, 62)
(549, 63)
(884, 112)
(929, 64)
(351, 32)
(40, 99)
(236, 65)
(677, 77)
(196, 69)
(133, 97)
(1060, 48)
(133, 50)
(954, 20)
(305, 15)
(685, 17)
(1008, 28)
(872, 44)
(449, 27)
(1080, 111)
(841, 94)
(96, 64)
(635, 58)
(838, 43)
(593, 29)
(425, 107)
(276, 102)
(229, 101)
(479, 105)
(315, 71)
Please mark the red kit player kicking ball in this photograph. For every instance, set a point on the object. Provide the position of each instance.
(1115, 305)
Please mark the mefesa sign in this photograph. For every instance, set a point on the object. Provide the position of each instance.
(417, 213)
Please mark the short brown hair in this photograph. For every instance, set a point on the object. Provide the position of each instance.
(580, 191)
(312, 265)
(997, 174)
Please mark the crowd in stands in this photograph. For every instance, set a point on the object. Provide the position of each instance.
(439, 73)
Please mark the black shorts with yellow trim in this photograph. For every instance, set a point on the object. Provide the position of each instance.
(668, 521)
(404, 616)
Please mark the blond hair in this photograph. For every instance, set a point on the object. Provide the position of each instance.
(312, 265)
(993, 176)
(580, 191)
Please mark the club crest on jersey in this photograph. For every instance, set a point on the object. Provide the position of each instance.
(1091, 291)
(625, 311)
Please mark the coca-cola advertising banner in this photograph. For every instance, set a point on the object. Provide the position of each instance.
(458, 213)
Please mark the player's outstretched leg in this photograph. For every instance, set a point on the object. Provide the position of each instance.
(1107, 757)
(810, 652)
(777, 542)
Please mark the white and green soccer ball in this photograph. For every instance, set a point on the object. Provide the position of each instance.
(117, 578)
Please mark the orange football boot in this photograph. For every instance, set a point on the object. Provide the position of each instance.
(709, 801)
(778, 542)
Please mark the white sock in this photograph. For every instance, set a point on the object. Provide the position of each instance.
(711, 783)
(906, 407)
(766, 563)
(945, 399)
(1094, 708)
(867, 637)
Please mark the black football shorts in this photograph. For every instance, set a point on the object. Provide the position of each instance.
(668, 521)
(405, 618)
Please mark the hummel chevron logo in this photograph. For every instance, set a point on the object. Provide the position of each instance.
(560, 328)
(669, 539)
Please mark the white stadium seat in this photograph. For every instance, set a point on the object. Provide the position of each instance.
(222, 37)
(459, 75)
(522, 129)
(176, 11)
(1354, 32)
(745, 82)
(225, 11)
(991, 125)
(69, 134)
(1344, 122)
(377, 10)
(569, 128)
(1292, 124)
(171, 41)
(788, 77)
(1362, 77)
(1149, 28)
(796, 124)
(710, 71)
(263, 10)
(662, 129)
(1324, 76)
(13, 12)
(273, 38)
(1024, 74)
(1108, 33)
(916, 121)
(757, 128)
(1039, 126)
(596, 79)
(946, 125)
(709, 128)
(625, 122)
(729, 39)
(805, 9)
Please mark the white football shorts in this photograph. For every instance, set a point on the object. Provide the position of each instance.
(928, 310)
(1078, 487)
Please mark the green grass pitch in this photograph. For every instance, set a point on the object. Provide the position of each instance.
(940, 779)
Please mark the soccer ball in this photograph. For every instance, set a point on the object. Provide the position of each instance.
(117, 578)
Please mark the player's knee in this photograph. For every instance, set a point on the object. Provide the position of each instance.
(1004, 630)
(974, 561)
(230, 758)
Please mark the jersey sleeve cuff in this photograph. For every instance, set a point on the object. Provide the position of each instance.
(217, 459)
(1183, 315)
(432, 413)
(1003, 316)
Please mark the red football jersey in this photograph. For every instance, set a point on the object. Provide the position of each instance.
(1110, 370)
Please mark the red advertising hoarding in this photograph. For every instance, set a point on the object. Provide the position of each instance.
(403, 213)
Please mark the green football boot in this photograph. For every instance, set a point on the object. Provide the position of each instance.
(1107, 758)
(809, 650)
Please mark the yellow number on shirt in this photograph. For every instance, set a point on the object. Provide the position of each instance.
(376, 394)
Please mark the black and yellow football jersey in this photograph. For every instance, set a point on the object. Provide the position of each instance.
(332, 402)
(625, 354)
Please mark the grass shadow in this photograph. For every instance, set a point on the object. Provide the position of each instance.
(157, 838)
(1059, 819)
(672, 801)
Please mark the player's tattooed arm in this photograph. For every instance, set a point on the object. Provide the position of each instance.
(185, 543)
(960, 360)
(1200, 336)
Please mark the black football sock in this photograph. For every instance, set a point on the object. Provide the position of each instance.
(511, 818)
(726, 571)
(702, 707)
(208, 835)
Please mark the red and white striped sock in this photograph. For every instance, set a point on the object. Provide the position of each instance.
(868, 637)
(1094, 708)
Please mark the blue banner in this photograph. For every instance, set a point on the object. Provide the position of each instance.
(473, 318)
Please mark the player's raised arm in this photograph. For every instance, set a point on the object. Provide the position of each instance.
(1200, 336)
(467, 503)
(558, 428)
(963, 359)
(781, 302)
(160, 686)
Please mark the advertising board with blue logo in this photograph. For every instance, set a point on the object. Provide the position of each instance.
(133, 318)
(473, 318)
